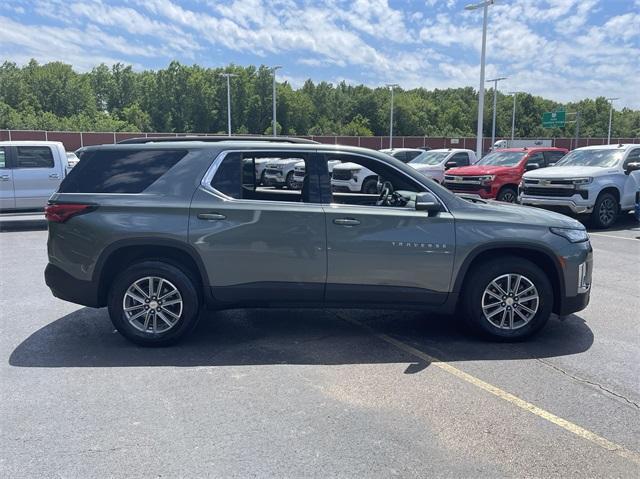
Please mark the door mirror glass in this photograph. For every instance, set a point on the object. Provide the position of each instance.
(450, 164)
(427, 202)
(532, 166)
(635, 166)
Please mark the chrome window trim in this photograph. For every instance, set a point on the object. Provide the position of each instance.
(205, 183)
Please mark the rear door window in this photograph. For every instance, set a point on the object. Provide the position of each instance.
(119, 171)
(34, 157)
(537, 158)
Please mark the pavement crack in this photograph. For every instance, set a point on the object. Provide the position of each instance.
(586, 381)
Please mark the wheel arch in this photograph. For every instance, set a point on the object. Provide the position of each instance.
(541, 256)
(123, 253)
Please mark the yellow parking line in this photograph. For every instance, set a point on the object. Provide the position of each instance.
(521, 403)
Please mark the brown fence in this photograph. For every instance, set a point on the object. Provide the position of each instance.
(73, 140)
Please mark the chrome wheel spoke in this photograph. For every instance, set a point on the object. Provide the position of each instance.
(142, 309)
(504, 309)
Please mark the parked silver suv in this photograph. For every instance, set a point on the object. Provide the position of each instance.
(157, 231)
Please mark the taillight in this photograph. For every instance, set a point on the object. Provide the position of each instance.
(61, 212)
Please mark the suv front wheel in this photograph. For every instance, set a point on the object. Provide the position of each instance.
(153, 303)
(605, 211)
(507, 299)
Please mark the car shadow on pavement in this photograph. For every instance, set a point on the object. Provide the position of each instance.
(86, 338)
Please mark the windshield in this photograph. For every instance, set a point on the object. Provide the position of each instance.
(601, 158)
(502, 158)
(429, 158)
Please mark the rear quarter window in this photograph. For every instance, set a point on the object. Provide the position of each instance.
(119, 171)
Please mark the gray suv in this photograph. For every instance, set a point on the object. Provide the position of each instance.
(158, 231)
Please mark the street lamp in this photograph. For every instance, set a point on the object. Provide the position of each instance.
(610, 100)
(513, 115)
(391, 86)
(228, 76)
(495, 97)
(485, 6)
(274, 70)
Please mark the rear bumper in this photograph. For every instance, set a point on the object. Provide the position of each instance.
(68, 288)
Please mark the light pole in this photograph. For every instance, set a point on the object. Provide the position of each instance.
(610, 100)
(274, 70)
(228, 76)
(391, 86)
(495, 97)
(513, 115)
(485, 6)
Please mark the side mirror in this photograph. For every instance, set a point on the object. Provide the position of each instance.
(635, 166)
(427, 202)
(532, 166)
(450, 164)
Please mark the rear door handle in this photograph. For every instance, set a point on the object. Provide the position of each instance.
(4, 177)
(54, 176)
(211, 216)
(346, 221)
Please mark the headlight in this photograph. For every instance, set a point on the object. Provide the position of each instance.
(582, 181)
(487, 179)
(571, 234)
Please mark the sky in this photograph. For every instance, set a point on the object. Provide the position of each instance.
(564, 50)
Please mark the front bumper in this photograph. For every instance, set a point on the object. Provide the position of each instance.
(571, 204)
(273, 180)
(68, 288)
(345, 186)
(578, 273)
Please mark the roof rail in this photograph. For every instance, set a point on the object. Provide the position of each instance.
(215, 139)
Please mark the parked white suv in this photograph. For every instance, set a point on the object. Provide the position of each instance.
(299, 171)
(279, 173)
(433, 163)
(600, 181)
(30, 171)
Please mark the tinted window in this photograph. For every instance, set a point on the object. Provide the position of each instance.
(400, 155)
(3, 158)
(462, 159)
(634, 156)
(553, 157)
(412, 154)
(119, 171)
(537, 158)
(35, 157)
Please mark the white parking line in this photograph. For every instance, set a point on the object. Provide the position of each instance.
(616, 237)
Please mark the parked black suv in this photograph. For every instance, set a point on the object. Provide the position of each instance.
(155, 231)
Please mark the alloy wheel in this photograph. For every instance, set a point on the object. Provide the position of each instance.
(510, 301)
(152, 305)
(607, 211)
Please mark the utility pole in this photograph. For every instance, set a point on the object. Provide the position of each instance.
(513, 115)
(228, 76)
(610, 100)
(485, 6)
(495, 98)
(391, 86)
(577, 128)
(275, 123)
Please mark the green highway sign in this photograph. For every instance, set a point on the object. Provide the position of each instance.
(552, 119)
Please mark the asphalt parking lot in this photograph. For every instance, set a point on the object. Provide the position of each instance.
(295, 393)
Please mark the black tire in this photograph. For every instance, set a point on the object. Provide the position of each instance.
(291, 184)
(188, 293)
(481, 276)
(370, 186)
(605, 211)
(507, 194)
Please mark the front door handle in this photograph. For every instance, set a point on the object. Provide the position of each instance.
(346, 221)
(54, 176)
(211, 216)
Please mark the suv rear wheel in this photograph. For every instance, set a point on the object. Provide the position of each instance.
(507, 299)
(605, 211)
(153, 303)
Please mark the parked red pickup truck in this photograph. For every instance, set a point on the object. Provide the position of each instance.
(497, 175)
